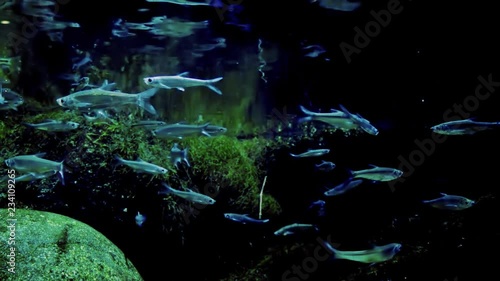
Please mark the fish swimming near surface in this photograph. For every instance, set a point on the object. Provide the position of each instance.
(377, 173)
(463, 127)
(34, 163)
(376, 255)
(101, 98)
(450, 202)
(295, 228)
(311, 153)
(243, 218)
(180, 130)
(189, 195)
(343, 187)
(140, 166)
(180, 82)
(51, 125)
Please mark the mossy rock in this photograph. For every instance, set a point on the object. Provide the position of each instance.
(50, 246)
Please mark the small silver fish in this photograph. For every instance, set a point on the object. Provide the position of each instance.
(34, 163)
(180, 130)
(180, 82)
(295, 228)
(243, 218)
(102, 98)
(182, 2)
(10, 99)
(325, 166)
(450, 202)
(140, 166)
(376, 255)
(51, 125)
(343, 187)
(178, 155)
(140, 219)
(338, 5)
(463, 127)
(311, 153)
(189, 195)
(149, 124)
(360, 121)
(377, 173)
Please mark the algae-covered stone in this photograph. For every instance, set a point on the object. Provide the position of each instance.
(49, 246)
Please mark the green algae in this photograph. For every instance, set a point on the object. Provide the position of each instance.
(49, 246)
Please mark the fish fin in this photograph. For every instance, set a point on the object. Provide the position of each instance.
(181, 89)
(372, 166)
(265, 220)
(164, 86)
(293, 155)
(167, 190)
(305, 111)
(183, 74)
(143, 100)
(215, 89)
(304, 119)
(443, 194)
(60, 172)
(40, 155)
(117, 161)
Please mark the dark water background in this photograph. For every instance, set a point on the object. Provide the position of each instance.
(426, 60)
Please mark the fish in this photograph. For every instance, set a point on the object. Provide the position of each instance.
(325, 166)
(463, 127)
(51, 125)
(377, 173)
(34, 163)
(372, 256)
(334, 118)
(318, 207)
(450, 202)
(180, 82)
(295, 228)
(341, 119)
(311, 153)
(180, 130)
(338, 5)
(149, 124)
(32, 176)
(213, 130)
(140, 166)
(189, 195)
(360, 121)
(243, 218)
(139, 219)
(178, 155)
(182, 2)
(9, 99)
(101, 98)
(343, 187)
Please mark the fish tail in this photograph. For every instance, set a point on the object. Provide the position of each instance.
(212, 87)
(306, 111)
(167, 190)
(304, 119)
(143, 100)
(330, 249)
(60, 172)
(117, 161)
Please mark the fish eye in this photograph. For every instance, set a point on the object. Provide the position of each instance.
(61, 100)
(150, 80)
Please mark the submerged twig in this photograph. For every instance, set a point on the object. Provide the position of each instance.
(260, 199)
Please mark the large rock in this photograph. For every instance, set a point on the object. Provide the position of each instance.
(49, 246)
